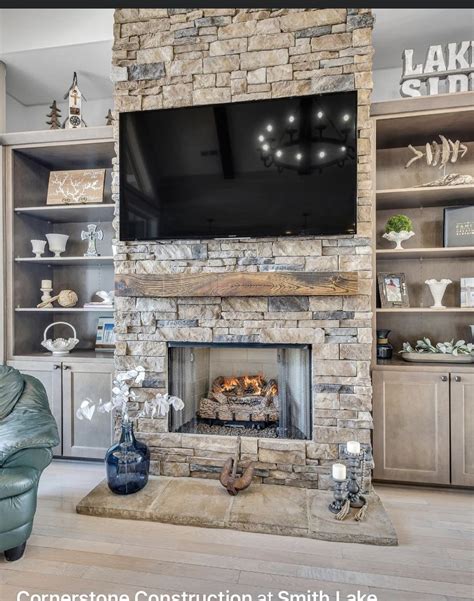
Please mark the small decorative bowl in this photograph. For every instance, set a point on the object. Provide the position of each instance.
(398, 238)
(59, 346)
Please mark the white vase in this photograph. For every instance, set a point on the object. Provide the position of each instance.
(398, 237)
(38, 247)
(437, 289)
(57, 243)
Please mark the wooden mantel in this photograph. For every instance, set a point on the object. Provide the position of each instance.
(237, 284)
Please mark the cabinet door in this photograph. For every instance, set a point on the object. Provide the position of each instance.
(49, 374)
(411, 426)
(462, 429)
(84, 438)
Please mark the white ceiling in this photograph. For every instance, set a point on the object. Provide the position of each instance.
(396, 29)
(42, 47)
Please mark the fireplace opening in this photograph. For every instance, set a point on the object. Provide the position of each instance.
(252, 390)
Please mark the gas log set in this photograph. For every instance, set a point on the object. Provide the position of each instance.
(247, 399)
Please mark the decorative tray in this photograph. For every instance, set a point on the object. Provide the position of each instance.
(437, 358)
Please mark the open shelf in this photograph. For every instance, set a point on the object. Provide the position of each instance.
(77, 355)
(70, 213)
(436, 196)
(65, 310)
(426, 253)
(426, 310)
(66, 260)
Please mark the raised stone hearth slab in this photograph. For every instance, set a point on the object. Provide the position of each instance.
(264, 508)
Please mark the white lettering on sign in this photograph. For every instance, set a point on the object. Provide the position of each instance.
(448, 70)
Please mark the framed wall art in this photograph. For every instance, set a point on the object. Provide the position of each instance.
(459, 226)
(76, 187)
(393, 290)
(105, 337)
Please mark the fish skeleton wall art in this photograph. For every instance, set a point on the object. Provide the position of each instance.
(439, 154)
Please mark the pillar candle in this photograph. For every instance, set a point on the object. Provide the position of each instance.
(353, 447)
(46, 283)
(339, 471)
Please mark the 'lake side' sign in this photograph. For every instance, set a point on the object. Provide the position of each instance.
(446, 69)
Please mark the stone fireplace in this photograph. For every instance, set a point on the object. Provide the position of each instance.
(316, 350)
(250, 390)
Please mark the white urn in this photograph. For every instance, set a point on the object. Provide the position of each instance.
(38, 247)
(437, 289)
(398, 237)
(57, 243)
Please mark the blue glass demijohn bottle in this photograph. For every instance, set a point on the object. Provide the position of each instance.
(127, 463)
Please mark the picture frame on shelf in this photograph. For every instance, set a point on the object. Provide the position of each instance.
(393, 290)
(79, 186)
(458, 226)
(105, 336)
(467, 292)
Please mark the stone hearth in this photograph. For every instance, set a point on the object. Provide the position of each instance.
(269, 509)
(182, 57)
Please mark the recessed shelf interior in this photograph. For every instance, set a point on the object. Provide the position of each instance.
(32, 218)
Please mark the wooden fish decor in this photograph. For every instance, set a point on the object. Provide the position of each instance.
(439, 154)
(229, 479)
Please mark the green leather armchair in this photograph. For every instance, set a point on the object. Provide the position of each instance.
(28, 433)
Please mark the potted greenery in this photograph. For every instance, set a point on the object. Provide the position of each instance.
(398, 229)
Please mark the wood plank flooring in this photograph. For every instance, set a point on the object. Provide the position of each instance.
(70, 553)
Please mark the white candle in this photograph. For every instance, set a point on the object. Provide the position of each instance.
(353, 447)
(339, 471)
(46, 283)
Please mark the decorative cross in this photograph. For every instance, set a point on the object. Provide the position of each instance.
(92, 235)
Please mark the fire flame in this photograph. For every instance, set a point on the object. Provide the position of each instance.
(250, 385)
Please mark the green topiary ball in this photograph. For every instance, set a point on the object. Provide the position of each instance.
(399, 223)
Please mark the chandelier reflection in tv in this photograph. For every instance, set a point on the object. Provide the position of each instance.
(309, 141)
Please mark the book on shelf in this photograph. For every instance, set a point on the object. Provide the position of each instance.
(97, 305)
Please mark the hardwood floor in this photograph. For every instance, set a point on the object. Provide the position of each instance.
(70, 553)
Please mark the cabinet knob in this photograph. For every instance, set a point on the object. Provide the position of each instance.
(444, 378)
(67, 367)
(457, 378)
(56, 367)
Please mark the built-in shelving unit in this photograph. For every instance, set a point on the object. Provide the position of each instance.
(29, 161)
(402, 190)
(29, 158)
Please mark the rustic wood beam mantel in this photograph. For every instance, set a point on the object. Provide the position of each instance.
(237, 284)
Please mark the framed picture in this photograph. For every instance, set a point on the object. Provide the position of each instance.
(459, 226)
(467, 292)
(393, 290)
(76, 187)
(105, 337)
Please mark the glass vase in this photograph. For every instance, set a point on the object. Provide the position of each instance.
(127, 463)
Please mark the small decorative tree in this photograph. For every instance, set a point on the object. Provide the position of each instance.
(54, 116)
(109, 118)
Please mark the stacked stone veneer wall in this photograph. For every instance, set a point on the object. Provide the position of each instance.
(178, 57)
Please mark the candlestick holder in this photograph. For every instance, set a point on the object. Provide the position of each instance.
(45, 297)
(338, 502)
(353, 488)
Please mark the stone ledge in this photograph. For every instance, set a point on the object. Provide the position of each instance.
(268, 509)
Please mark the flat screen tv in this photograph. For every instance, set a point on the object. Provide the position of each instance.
(280, 167)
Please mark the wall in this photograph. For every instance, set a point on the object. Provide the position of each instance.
(180, 57)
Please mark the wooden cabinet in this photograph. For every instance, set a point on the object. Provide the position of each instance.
(67, 384)
(50, 375)
(424, 425)
(411, 426)
(84, 438)
(462, 429)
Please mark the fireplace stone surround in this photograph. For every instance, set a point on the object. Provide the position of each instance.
(177, 57)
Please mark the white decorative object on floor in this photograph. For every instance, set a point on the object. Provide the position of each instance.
(46, 288)
(92, 234)
(59, 346)
(398, 238)
(38, 247)
(57, 243)
(437, 289)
